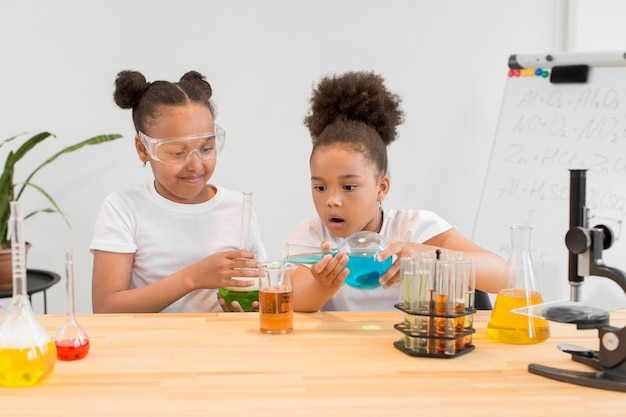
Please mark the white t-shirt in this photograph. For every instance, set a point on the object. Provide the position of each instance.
(400, 225)
(166, 236)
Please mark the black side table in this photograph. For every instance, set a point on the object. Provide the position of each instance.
(37, 280)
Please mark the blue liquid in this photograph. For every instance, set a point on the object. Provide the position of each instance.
(365, 271)
(308, 259)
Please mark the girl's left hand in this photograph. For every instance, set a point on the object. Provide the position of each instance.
(399, 250)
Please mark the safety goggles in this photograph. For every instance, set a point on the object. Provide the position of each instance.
(175, 151)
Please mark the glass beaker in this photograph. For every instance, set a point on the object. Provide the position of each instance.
(245, 296)
(504, 325)
(71, 340)
(276, 297)
(362, 249)
(27, 353)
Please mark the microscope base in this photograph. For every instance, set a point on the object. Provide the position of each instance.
(600, 379)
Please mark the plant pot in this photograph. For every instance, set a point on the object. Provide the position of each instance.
(6, 267)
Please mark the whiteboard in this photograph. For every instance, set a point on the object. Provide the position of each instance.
(544, 130)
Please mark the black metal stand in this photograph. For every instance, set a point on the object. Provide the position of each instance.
(610, 362)
(585, 247)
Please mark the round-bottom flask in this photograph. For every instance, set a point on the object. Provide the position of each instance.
(362, 249)
(71, 340)
(504, 325)
(27, 353)
(245, 296)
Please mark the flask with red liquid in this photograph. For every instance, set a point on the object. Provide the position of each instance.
(71, 340)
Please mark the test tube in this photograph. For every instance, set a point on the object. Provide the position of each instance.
(470, 298)
(458, 298)
(445, 306)
(430, 268)
(424, 276)
(406, 296)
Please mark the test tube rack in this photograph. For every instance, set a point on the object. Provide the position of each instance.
(434, 336)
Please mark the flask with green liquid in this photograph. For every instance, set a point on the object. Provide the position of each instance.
(245, 296)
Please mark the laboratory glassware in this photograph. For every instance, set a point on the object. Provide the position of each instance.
(71, 340)
(27, 353)
(523, 290)
(245, 296)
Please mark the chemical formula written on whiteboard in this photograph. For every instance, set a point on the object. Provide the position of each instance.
(544, 130)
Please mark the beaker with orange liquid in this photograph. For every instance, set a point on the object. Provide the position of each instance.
(276, 297)
(504, 325)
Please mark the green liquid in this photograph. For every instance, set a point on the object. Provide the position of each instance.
(244, 298)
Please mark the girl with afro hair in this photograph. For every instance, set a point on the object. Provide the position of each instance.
(352, 120)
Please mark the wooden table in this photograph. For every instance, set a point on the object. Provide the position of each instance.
(334, 364)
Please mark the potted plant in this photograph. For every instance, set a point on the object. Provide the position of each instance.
(12, 191)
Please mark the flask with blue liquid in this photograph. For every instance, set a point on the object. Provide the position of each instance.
(362, 249)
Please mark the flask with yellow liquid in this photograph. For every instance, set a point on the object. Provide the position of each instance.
(504, 325)
(27, 353)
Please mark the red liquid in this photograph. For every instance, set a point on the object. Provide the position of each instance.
(66, 351)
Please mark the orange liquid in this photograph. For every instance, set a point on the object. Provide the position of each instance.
(516, 328)
(469, 319)
(276, 311)
(22, 367)
(442, 323)
(459, 326)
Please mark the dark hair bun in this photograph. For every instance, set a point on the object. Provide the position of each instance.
(129, 87)
(197, 81)
(357, 96)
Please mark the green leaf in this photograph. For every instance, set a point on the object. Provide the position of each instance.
(56, 209)
(8, 187)
(92, 141)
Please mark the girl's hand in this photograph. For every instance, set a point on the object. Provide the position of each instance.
(218, 270)
(330, 271)
(400, 250)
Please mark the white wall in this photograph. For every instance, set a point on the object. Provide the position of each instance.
(447, 59)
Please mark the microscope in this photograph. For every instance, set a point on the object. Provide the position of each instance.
(585, 246)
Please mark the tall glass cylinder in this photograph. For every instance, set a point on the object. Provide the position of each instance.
(244, 296)
(523, 291)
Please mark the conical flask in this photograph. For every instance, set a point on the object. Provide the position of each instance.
(505, 325)
(71, 340)
(27, 353)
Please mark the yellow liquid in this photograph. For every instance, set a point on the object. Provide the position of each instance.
(509, 327)
(22, 367)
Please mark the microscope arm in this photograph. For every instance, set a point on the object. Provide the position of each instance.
(588, 245)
